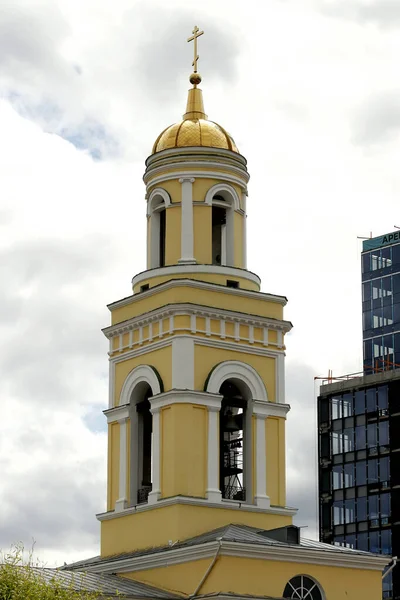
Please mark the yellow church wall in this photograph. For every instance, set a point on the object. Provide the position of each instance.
(272, 336)
(173, 239)
(205, 359)
(180, 294)
(262, 577)
(158, 525)
(182, 322)
(113, 465)
(202, 234)
(275, 451)
(184, 451)
(238, 248)
(160, 359)
(172, 186)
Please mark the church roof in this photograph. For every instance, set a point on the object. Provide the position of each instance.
(236, 533)
(108, 585)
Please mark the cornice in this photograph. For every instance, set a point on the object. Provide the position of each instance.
(176, 396)
(294, 554)
(269, 409)
(177, 171)
(195, 269)
(212, 287)
(196, 151)
(198, 310)
(233, 505)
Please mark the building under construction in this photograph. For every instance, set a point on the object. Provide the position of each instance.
(359, 423)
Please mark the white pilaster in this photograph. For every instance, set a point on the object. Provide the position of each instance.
(213, 491)
(244, 257)
(187, 221)
(122, 501)
(155, 493)
(261, 498)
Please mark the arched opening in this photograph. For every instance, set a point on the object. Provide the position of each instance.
(141, 447)
(234, 439)
(303, 586)
(157, 204)
(223, 204)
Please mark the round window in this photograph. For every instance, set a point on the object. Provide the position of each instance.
(303, 587)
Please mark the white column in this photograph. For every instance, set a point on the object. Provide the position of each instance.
(244, 258)
(122, 501)
(213, 491)
(187, 221)
(155, 493)
(261, 498)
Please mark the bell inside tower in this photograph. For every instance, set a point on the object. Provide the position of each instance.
(232, 442)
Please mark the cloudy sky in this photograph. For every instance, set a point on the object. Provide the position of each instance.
(309, 90)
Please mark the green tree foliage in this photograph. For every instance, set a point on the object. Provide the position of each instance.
(22, 579)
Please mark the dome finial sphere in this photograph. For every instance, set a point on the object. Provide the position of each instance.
(195, 78)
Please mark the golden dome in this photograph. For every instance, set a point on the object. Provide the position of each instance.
(194, 129)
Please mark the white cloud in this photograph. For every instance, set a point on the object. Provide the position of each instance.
(288, 82)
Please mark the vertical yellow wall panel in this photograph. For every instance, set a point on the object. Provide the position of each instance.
(113, 466)
(167, 465)
(202, 234)
(272, 336)
(173, 235)
(128, 459)
(274, 454)
(238, 228)
(282, 462)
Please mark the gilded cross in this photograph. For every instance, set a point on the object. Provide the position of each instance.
(196, 34)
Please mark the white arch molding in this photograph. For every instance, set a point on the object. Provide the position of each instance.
(220, 188)
(158, 200)
(235, 369)
(132, 393)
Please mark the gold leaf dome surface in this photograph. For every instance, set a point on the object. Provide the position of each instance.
(195, 129)
(194, 132)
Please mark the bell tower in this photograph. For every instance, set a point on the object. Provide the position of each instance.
(197, 411)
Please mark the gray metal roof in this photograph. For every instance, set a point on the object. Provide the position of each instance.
(108, 585)
(232, 533)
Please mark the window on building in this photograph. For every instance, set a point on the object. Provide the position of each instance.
(362, 513)
(359, 402)
(338, 512)
(337, 408)
(384, 433)
(348, 440)
(349, 475)
(382, 397)
(362, 541)
(366, 262)
(361, 437)
(371, 400)
(337, 473)
(374, 545)
(371, 435)
(301, 587)
(141, 444)
(386, 541)
(337, 442)
(350, 510)
(373, 502)
(218, 235)
(373, 470)
(385, 505)
(347, 402)
(361, 472)
(384, 469)
(350, 540)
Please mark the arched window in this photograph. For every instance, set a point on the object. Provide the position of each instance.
(303, 587)
(232, 437)
(141, 448)
(158, 202)
(224, 201)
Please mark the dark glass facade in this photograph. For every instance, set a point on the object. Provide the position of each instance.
(381, 303)
(359, 466)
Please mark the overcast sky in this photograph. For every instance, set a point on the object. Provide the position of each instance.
(308, 89)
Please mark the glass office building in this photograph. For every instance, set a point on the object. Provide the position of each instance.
(359, 424)
(381, 302)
